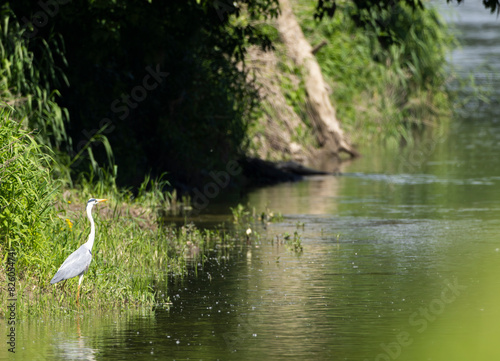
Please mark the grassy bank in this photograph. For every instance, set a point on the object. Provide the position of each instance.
(42, 223)
(133, 254)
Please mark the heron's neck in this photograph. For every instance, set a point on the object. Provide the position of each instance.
(90, 242)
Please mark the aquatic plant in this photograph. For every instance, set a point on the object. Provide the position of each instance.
(294, 243)
(240, 213)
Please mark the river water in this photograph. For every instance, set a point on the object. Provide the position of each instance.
(399, 261)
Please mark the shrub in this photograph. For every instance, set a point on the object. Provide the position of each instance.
(26, 192)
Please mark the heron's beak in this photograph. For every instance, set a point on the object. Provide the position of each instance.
(101, 200)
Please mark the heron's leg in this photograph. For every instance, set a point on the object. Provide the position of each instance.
(78, 292)
(78, 295)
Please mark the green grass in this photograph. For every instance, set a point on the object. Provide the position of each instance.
(26, 192)
(132, 256)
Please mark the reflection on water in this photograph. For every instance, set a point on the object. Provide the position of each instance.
(73, 348)
(400, 261)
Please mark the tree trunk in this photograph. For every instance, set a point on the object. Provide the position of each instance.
(329, 134)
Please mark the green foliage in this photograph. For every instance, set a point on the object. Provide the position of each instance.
(152, 192)
(26, 193)
(388, 86)
(294, 91)
(29, 78)
(240, 214)
(195, 118)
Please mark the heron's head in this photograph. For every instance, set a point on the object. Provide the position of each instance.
(92, 201)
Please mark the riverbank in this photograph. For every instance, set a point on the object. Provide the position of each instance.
(380, 93)
(133, 252)
(42, 222)
(247, 99)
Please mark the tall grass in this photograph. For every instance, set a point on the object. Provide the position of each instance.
(26, 193)
(25, 81)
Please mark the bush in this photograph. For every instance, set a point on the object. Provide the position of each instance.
(26, 192)
(389, 76)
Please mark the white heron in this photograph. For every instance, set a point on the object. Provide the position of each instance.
(78, 262)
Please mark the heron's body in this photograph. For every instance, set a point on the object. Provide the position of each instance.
(78, 262)
(81, 257)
